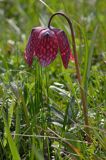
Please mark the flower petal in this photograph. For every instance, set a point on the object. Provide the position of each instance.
(47, 47)
(64, 46)
(30, 50)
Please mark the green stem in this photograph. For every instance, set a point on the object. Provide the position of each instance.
(83, 96)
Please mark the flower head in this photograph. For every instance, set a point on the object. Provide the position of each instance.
(43, 43)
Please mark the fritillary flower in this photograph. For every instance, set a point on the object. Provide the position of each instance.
(44, 43)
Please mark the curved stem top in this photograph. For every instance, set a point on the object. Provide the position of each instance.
(61, 14)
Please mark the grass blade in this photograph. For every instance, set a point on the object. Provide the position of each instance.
(88, 60)
(12, 145)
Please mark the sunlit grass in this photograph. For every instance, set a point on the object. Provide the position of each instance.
(40, 108)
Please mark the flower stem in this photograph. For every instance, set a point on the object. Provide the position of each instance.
(82, 92)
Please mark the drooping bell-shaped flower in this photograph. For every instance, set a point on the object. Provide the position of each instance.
(43, 43)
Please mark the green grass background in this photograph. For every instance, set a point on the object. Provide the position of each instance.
(40, 108)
